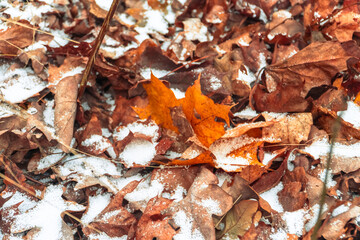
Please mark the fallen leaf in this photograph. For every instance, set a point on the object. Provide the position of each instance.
(152, 223)
(239, 219)
(336, 225)
(16, 37)
(289, 82)
(292, 128)
(204, 199)
(202, 113)
(115, 220)
(161, 100)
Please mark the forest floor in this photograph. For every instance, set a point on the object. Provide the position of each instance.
(216, 119)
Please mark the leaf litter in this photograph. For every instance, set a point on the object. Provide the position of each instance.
(200, 120)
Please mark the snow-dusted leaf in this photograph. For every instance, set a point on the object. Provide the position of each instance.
(44, 217)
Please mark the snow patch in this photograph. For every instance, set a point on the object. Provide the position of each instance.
(271, 196)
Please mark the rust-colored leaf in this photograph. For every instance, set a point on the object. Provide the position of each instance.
(16, 37)
(202, 114)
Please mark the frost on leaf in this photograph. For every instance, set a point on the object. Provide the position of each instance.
(193, 213)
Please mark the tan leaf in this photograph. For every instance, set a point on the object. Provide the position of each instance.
(239, 219)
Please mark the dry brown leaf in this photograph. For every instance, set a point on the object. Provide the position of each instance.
(203, 191)
(152, 223)
(16, 37)
(239, 219)
(289, 82)
(336, 225)
(293, 196)
(65, 110)
(115, 220)
(293, 128)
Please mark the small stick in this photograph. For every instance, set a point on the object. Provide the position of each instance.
(98, 42)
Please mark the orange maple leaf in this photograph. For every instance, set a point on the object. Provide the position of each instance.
(249, 152)
(202, 112)
(161, 100)
(357, 99)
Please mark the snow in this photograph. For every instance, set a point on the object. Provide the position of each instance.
(159, 73)
(127, 19)
(150, 129)
(96, 205)
(268, 157)
(55, 155)
(29, 12)
(139, 152)
(186, 230)
(196, 30)
(104, 4)
(87, 166)
(104, 236)
(145, 191)
(117, 51)
(215, 83)
(60, 38)
(247, 76)
(177, 195)
(98, 142)
(313, 214)
(330, 182)
(19, 84)
(247, 113)
(156, 22)
(25, 203)
(178, 93)
(352, 114)
(211, 205)
(278, 234)
(4, 112)
(321, 148)
(340, 209)
(291, 158)
(223, 177)
(283, 14)
(49, 114)
(46, 215)
(271, 196)
(295, 221)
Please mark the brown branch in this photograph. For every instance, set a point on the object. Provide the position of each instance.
(95, 50)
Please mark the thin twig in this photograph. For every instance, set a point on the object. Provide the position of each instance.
(98, 42)
(336, 129)
(38, 30)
